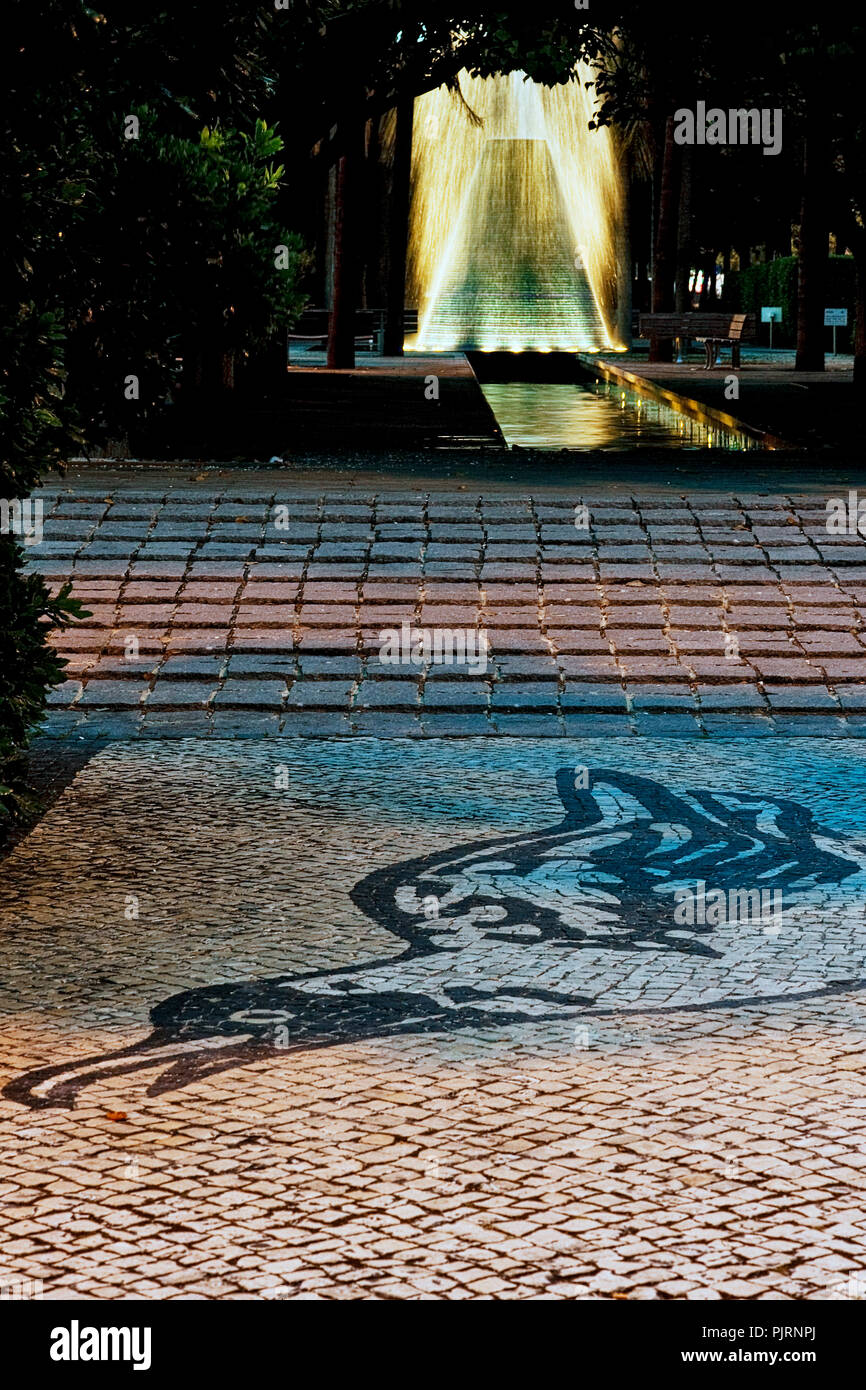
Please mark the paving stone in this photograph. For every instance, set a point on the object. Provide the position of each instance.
(805, 698)
(176, 723)
(582, 576)
(184, 639)
(809, 725)
(113, 723)
(112, 694)
(451, 694)
(732, 725)
(640, 640)
(65, 694)
(851, 697)
(449, 724)
(376, 695)
(580, 640)
(62, 723)
(589, 668)
(336, 642)
(533, 695)
(666, 724)
(176, 666)
(256, 694)
(526, 725)
(196, 615)
(579, 695)
(300, 723)
(200, 591)
(584, 724)
(660, 697)
(519, 667)
(320, 694)
(134, 615)
(730, 697)
(784, 669)
(177, 693)
(637, 668)
(379, 723)
(243, 723)
(329, 666)
(844, 670)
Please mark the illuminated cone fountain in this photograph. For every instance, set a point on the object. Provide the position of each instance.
(514, 279)
(515, 201)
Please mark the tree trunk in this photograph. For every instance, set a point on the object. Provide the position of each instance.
(398, 228)
(684, 233)
(330, 217)
(624, 267)
(193, 367)
(860, 313)
(812, 267)
(370, 292)
(664, 258)
(344, 298)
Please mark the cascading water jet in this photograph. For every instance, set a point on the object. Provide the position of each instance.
(511, 236)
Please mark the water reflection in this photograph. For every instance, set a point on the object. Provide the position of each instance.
(598, 415)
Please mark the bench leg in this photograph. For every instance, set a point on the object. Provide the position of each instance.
(735, 356)
(710, 349)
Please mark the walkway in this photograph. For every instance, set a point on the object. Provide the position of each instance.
(247, 603)
(520, 1109)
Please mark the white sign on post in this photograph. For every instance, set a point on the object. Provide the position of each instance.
(835, 318)
(771, 314)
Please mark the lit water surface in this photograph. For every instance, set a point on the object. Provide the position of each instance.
(598, 415)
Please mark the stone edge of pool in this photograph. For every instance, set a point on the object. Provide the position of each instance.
(686, 405)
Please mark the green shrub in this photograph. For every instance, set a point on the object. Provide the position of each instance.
(206, 285)
(28, 667)
(35, 431)
(775, 283)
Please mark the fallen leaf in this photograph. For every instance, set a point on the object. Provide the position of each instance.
(116, 1115)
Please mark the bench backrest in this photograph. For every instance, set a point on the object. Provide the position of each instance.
(314, 317)
(734, 326)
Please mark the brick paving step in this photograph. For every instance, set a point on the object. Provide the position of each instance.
(287, 615)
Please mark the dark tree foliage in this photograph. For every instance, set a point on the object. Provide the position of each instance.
(103, 247)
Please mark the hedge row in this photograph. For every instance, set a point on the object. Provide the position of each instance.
(775, 283)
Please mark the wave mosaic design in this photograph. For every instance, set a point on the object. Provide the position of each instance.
(511, 243)
(580, 918)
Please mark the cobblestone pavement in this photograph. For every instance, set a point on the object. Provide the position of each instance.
(409, 1019)
(241, 606)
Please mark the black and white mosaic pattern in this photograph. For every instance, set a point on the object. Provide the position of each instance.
(553, 899)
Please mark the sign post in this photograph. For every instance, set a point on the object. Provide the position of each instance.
(835, 318)
(771, 314)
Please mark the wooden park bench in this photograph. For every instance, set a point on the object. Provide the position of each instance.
(715, 331)
(369, 327)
